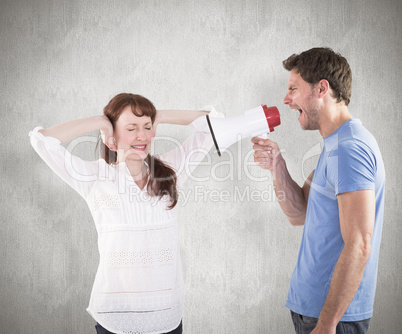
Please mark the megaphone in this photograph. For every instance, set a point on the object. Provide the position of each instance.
(253, 123)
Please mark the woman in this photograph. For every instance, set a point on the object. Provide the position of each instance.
(132, 197)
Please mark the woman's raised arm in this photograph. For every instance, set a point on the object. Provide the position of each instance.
(181, 117)
(69, 130)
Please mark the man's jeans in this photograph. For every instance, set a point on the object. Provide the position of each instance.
(305, 325)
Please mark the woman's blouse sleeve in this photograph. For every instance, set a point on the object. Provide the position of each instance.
(78, 173)
(185, 158)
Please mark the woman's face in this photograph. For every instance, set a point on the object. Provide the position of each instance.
(133, 135)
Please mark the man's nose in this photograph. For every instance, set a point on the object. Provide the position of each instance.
(287, 99)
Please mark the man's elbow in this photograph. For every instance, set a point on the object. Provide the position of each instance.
(296, 222)
(363, 247)
(297, 217)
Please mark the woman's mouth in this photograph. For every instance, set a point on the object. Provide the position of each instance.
(139, 147)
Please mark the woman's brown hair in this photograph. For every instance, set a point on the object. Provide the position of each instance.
(162, 178)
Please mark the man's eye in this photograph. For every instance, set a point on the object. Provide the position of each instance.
(148, 129)
(131, 129)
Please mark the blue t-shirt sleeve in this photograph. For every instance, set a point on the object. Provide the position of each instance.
(351, 167)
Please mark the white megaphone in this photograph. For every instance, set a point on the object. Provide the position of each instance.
(253, 123)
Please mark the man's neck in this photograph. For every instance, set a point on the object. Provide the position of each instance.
(333, 118)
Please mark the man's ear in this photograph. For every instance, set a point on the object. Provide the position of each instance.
(324, 87)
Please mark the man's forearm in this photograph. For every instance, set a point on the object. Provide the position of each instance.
(345, 282)
(292, 198)
(290, 195)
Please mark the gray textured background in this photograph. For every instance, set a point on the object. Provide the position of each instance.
(62, 60)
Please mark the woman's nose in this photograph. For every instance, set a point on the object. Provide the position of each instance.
(140, 134)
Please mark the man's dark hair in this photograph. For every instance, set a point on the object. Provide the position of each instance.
(322, 63)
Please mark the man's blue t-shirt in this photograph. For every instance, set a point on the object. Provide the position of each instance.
(350, 161)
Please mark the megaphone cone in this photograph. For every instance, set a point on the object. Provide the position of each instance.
(253, 123)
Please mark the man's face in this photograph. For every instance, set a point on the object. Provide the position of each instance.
(302, 97)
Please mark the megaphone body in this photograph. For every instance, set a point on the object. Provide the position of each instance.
(253, 123)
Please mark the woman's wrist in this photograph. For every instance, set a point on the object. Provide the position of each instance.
(102, 122)
(159, 117)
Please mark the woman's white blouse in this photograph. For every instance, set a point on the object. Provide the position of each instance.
(138, 287)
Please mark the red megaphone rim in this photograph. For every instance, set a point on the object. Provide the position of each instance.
(272, 115)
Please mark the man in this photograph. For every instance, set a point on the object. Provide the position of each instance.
(340, 205)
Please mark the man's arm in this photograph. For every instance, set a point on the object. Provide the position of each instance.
(292, 198)
(356, 215)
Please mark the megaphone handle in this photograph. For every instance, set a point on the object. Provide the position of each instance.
(213, 135)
